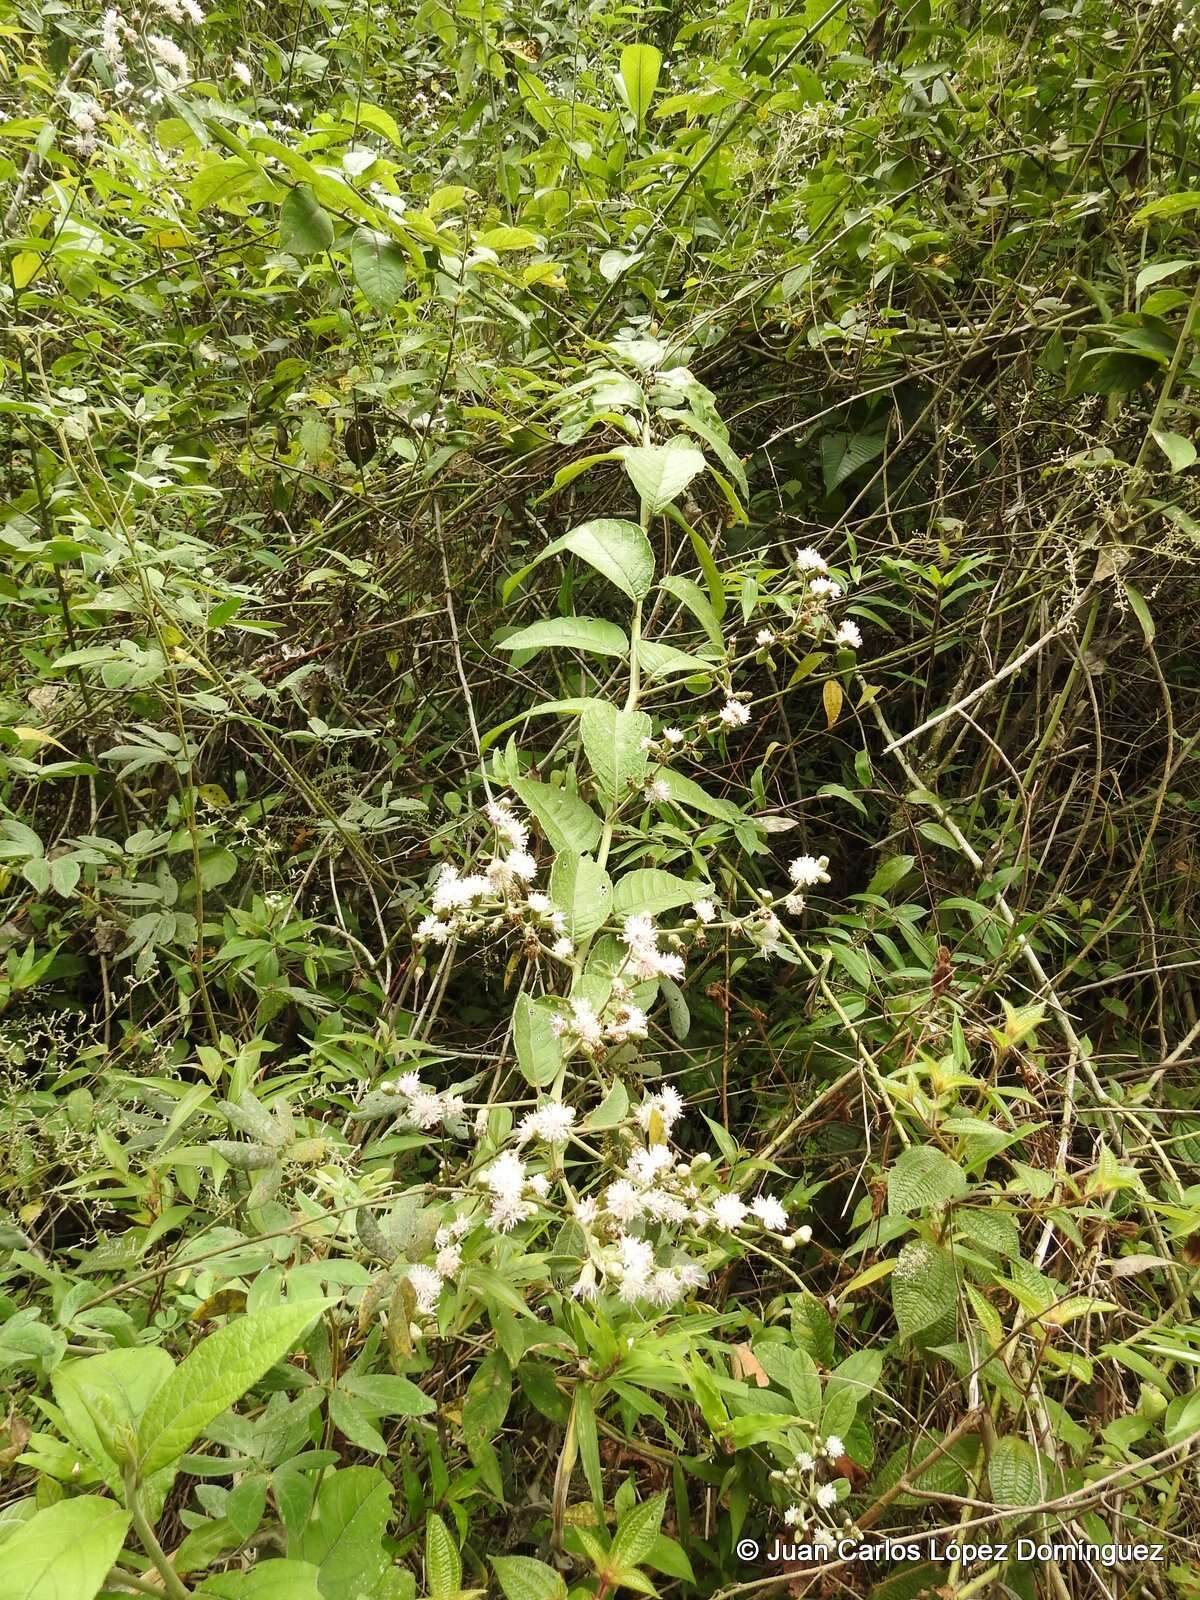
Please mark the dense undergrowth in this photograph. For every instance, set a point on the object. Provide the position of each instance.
(598, 742)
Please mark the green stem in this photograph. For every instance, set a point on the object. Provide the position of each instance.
(173, 1584)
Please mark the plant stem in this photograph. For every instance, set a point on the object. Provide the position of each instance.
(173, 1584)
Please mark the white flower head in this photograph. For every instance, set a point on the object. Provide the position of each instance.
(810, 560)
(769, 1212)
(734, 714)
(834, 1446)
(427, 1286)
(827, 1496)
(551, 1122)
(764, 637)
(728, 1212)
(704, 911)
(807, 871)
(673, 735)
(849, 635)
(825, 589)
(658, 789)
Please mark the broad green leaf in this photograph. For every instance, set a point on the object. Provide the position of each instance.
(344, 1536)
(640, 67)
(612, 742)
(539, 1051)
(661, 472)
(1154, 272)
(218, 1372)
(923, 1177)
(1013, 1473)
(304, 225)
(502, 239)
(108, 1393)
(380, 267)
(523, 1578)
(618, 549)
(582, 891)
(443, 1564)
(1168, 205)
(665, 661)
(568, 822)
(697, 602)
(388, 1396)
(889, 873)
(63, 1552)
(1180, 452)
(685, 792)
(266, 1580)
(637, 1531)
(924, 1288)
(613, 1109)
(796, 1371)
(651, 890)
(571, 633)
(1137, 604)
(487, 1400)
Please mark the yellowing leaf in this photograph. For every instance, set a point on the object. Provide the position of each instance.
(38, 736)
(831, 699)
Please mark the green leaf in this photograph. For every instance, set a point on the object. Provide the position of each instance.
(1180, 452)
(636, 1532)
(889, 873)
(651, 890)
(661, 472)
(502, 239)
(443, 1565)
(344, 1535)
(304, 225)
(612, 742)
(388, 1396)
(64, 875)
(266, 1580)
(380, 267)
(63, 1552)
(523, 1578)
(486, 1405)
(924, 1288)
(108, 1393)
(1168, 205)
(571, 633)
(1155, 272)
(698, 603)
(1140, 609)
(796, 1371)
(618, 549)
(923, 1177)
(582, 891)
(218, 1372)
(539, 1051)
(685, 792)
(568, 822)
(640, 67)
(1013, 1473)
(612, 1110)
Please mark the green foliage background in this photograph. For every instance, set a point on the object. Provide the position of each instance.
(320, 324)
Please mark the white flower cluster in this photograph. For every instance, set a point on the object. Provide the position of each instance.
(421, 1106)
(812, 1492)
(616, 1023)
(466, 903)
(427, 1281)
(813, 570)
(646, 959)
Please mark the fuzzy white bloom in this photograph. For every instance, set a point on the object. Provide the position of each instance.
(734, 714)
(426, 1110)
(673, 735)
(665, 1207)
(849, 635)
(522, 864)
(827, 1496)
(769, 1212)
(409, 1083)
(169, 53)
(659, 790)
(646, 1165)
(623, 1201)
(668, 1102)
(794, 904)
(85, 114)
(111, 31)
(825, 589)
(704, 911)
(823, 1538)
(506, 823)
(460, 1227)
(586, 1023)
(586, 1211)
(805, 1462)
(834, 1446)
(505, 1177)
(433, 930)
(628, 1022)
(764, 636)
(242, 73)
(805, 871)
(192, 11)
(793, 1516)
(728, 1212)
(810, 560)
(558, 1025)
(540, 904)
(550, 1122)
(562, 948)
(427, 1286)
(540, 1185)
(448, 1260)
